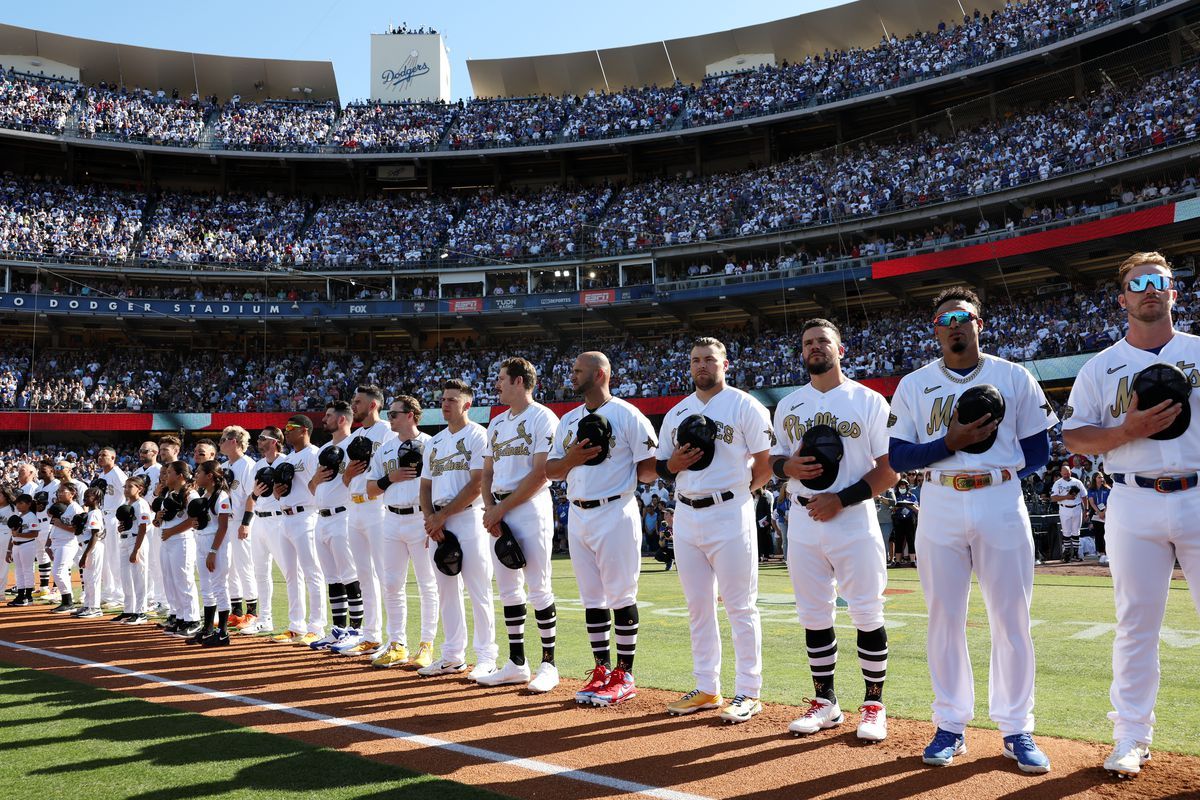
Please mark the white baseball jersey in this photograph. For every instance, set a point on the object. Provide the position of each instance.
(1063, 486)
(31, 525)
(114, 494)
(31, 488)
(95, 525)
(379, 433)
(387, 458)
(512, 442)
(242, 484)
(68, 517)
(142, 515)
(152, 473)
(333, 493)
(305, 462)
(267, 502)
(1101, 396)
(743, 429)
(449, 459)
(221, 506)
(632, 441)
(924, 403)
(857, 413)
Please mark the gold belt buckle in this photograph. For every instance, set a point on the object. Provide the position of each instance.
(965, 483)
(358, 498)
(1159, 483)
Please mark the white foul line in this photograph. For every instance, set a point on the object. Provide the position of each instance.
(531, 764)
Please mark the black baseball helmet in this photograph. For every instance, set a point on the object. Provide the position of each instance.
(598, 431)
(981, 399)
(331, 458)
(508, 549)
(360, 449)
(124, 515)
(449, 555)
(285, 473)
(824, 444)
(1159, 382)
(56, 511)
(266, 476)
(700, 432)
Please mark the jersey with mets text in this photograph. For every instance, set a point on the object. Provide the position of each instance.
(924, 403)
(633, 440)
(449, 460)
(859, 415)
(1101, 397)
(743, 429)
(513, 442)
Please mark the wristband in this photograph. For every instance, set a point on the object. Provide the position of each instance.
(857, 493)
(212, 551)
(384, 482)
(777, 467)
(247, 517)
(663, 471)
(256, 495)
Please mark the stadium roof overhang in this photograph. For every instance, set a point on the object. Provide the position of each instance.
(855, 24)
(151, 68)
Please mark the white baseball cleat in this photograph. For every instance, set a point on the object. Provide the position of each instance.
(546, 678)
(821, 714)
(442, 667)
(482, 669)
(510, 673)
(1127, 758)
(873, 726)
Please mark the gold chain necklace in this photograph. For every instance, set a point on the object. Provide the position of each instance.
(951, 375)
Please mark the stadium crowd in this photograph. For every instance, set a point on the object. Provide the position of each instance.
(142, 115)
(391, 128)
(274, 125)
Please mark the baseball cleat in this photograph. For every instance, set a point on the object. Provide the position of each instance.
(62, 608)
(944, 747)
(597, 681)
(620, 687)
(694, 701)
(545, 680)
(187, 630)
(1127, 758)
(352, 639)
(363, 648)
(38, 594)
(395, 655)
(482, 669)
(248, 622)
(111, 605)
(509, 674)
(424, 656)
(821, 714)
(306, 640)
(1020, 747)
(334, 636)
(287, 637)
(442, 667)
(873, 726)
(137, 619)
(741, 709)
(236, 620)
(91, 613)
(215, 639)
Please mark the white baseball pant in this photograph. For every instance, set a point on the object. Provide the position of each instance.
(716, 552)
(333, 548)
(65, 547)
(92, 575)
(402, 539)
(24, 558)
(1071, 520)
(477, 574)
(264, 548)
(243, 562)
(214, 583)
(532, 525)
(155, 592)
(135, 578)
(298, 561)
(1145, 532)
(987, 529)
(843, 556)
(39, 555)
(112, 590)
(365, 521)
(606, 552)
(179, 575)
(4, 565)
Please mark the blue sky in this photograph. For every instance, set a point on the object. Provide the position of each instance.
(339, 30)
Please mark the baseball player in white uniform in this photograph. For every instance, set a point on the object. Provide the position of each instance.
(64, 545)
(332, 534)
(973, 517)
(603, 526)
(179, 551)
(168, 452)
(403, 537)
(716, 536)
(148, 467)
(451, 476)
(233, 444)
(113, 594)
(1070, 511)
(297, 545)
(515, 491)
(1154, 506)
(261, 523)
(134, 546)
(365, 525)
(834, 542)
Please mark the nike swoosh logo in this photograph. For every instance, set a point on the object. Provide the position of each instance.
(681, 411)
(932, 388)
(1115, 369)
(793, 408)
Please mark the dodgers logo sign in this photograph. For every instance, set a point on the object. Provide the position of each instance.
(402, 76)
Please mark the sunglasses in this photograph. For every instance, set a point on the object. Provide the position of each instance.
(1159, 281)
(291, 426)
(948, 318)
(392, 413)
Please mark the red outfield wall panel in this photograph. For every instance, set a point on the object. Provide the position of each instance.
(21, 421)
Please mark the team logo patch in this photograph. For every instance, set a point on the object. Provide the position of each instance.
(892, 420)
(1066, 412)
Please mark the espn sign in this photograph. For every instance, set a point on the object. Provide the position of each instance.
(597, 297)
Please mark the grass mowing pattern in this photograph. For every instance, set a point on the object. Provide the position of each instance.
(60, 738)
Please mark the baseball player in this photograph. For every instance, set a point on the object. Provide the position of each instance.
(516, 492)
(64, 545)
(297, 544)
(604, 526)
(451, 476)
(114, 497)
(7, 508)
(1070, 494)
(63, 471)
(403, 536)
(332, 536)
(263, 530)
(179, 549)
(149, 468)
(1153, 507)
(234, 442)
(134, 529)
(212, 533)
(834, 542)
(91, 555)
(366, 521)
(23, 533)
(716, 536)
(973, 517)
(168, 452)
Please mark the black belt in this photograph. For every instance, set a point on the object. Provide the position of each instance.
(595, 503)
(290, 511)
(1163, 485)
(329, 512)
(404, 510)
(23, 541)
(268, 513)
(1064, 505)
(500, 496)
(705, 502)
(128, 535)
